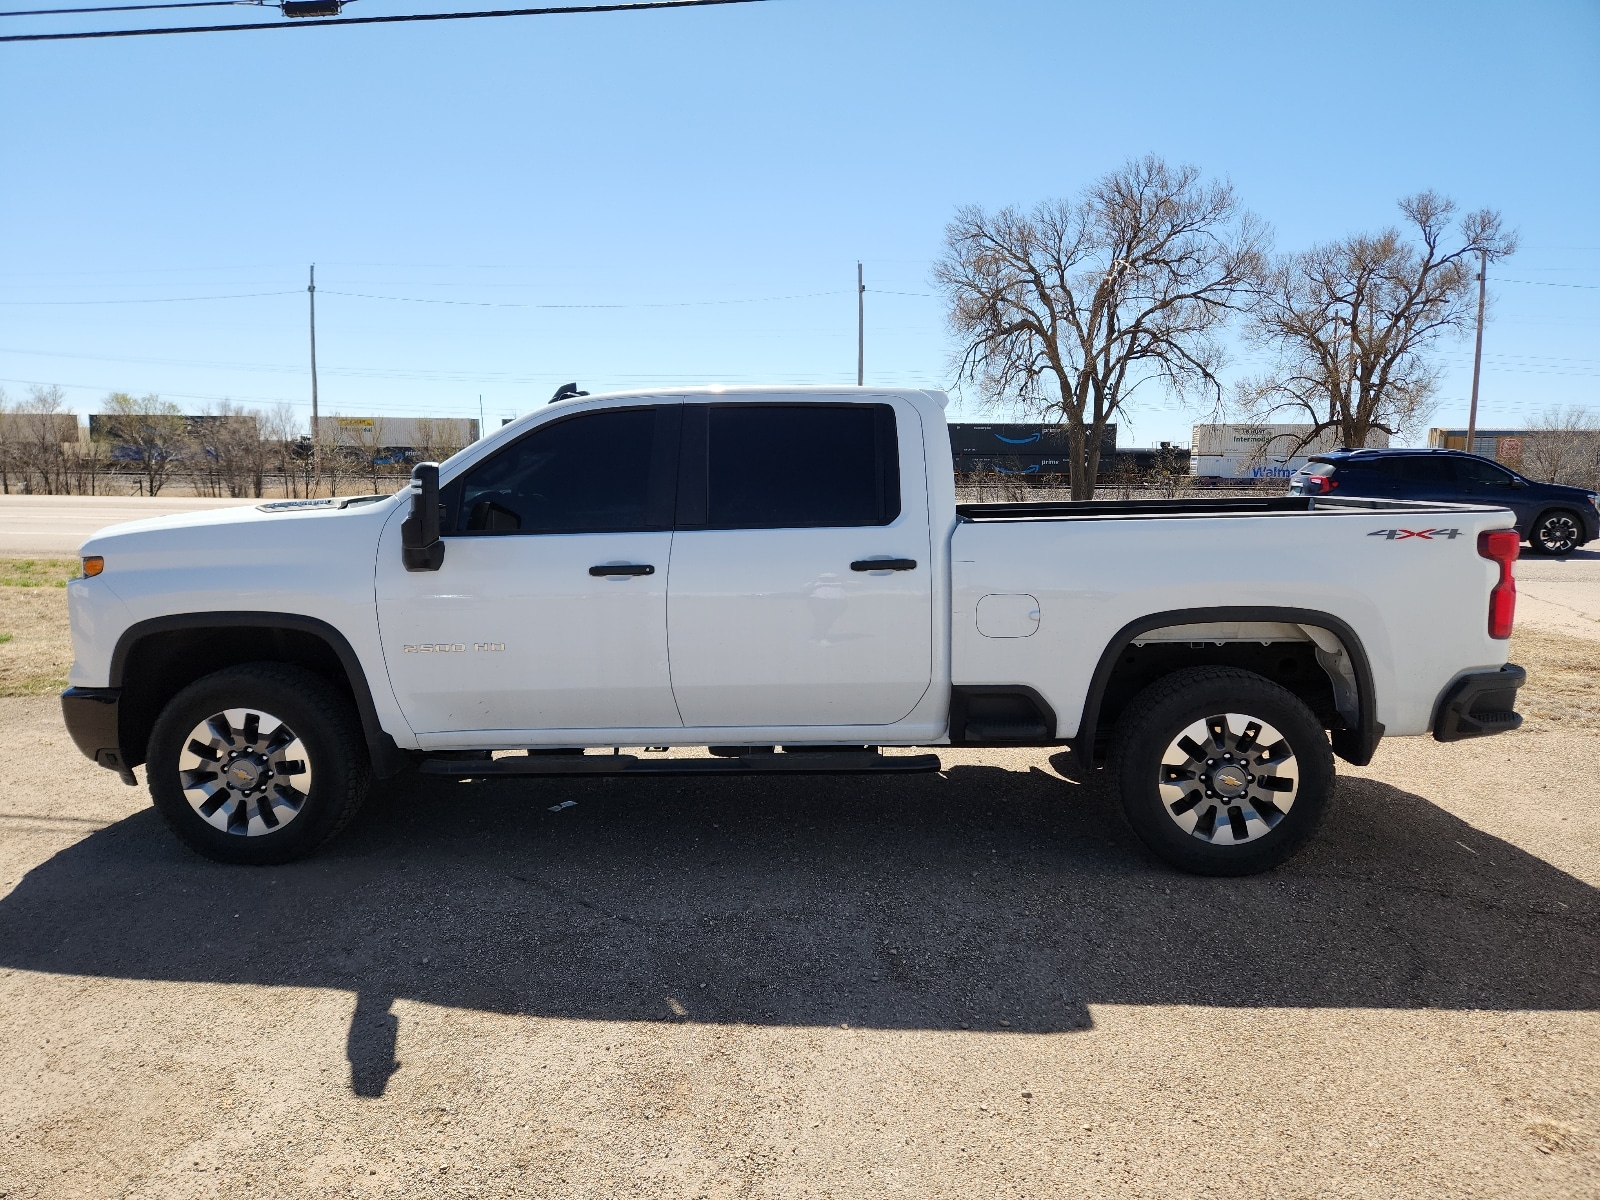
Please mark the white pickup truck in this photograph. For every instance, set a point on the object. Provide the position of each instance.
(783, 576)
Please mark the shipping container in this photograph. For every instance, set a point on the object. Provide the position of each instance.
(1273, 451)
(1502, 445)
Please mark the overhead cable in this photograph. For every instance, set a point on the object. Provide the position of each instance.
(152, 300)
(1589, 287)
(514, 304)
(640, 6)
(54, 12)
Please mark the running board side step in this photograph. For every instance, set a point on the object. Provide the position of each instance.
(848, 763)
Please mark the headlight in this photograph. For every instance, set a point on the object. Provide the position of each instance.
(1594, 500)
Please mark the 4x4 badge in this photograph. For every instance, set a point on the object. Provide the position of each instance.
(1426, 535)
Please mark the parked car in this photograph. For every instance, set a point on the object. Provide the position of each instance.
(782, 576)
(1552, 518)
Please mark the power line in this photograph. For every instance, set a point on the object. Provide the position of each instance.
(56, 12)
(1545, 283)
(427, 300)
(644, 304)
(639, 6)
(151, 300)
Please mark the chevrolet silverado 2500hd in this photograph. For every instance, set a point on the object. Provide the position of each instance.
(784, 577)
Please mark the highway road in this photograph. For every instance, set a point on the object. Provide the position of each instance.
(55, 526)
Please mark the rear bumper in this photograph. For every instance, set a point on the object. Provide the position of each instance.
(91, 715)
(1480, 704)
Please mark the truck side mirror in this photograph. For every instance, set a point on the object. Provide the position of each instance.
(421, 548)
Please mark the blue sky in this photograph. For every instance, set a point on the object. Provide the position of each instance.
(697, 186)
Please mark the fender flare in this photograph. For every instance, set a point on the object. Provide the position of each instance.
(1355, 746)
(387, 757)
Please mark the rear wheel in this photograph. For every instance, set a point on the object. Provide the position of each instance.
(257, 764)
(1222, 772)
(1556, 533)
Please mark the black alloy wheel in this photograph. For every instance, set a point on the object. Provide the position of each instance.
(1556, 533)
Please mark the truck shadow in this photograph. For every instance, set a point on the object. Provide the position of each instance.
(983, 899)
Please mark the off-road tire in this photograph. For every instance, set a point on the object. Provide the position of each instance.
(322, 719)
(1150, 727)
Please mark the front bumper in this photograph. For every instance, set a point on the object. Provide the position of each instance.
(91, 715)
(1480, 704)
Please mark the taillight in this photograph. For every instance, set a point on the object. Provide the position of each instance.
(1501, 546)
(1320, 485)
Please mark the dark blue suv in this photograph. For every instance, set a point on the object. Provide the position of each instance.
(1554, 519)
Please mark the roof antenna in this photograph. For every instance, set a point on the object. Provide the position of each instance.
(566, 392)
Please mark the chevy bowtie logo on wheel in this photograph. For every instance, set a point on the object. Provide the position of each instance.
(1426, 535)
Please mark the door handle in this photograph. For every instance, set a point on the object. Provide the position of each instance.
(605, 569)
(884, 564)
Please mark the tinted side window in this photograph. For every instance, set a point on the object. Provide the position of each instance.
(600, 472)
(1430, 471)
(1473, 471)
(783, 466)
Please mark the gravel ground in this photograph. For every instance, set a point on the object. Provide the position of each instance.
(971, 984)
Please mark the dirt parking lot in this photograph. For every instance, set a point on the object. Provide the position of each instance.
(970, 984)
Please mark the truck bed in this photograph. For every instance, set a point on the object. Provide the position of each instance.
(1417, 603)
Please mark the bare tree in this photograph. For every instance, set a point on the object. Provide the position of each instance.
(9, 427)
(332, 450)
(1352, 323)
(150, 432)
(234, 458)
(86, 466)
(1069, 309)
(44, 427)
(437, 438)
(363, 445)
(1563, 446)
(280, 435)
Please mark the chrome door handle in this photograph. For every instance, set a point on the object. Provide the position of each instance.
(605, 569)
(884, 564)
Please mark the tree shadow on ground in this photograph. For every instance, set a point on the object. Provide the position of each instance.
(983, 898)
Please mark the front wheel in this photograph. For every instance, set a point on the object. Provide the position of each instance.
(1221, 771)
(257, 764)
(1555, 533)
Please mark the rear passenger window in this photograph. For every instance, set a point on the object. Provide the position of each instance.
(1419, 469)
(783, 466)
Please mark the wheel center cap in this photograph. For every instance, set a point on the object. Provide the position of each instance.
(244, 774)
(1229, 780)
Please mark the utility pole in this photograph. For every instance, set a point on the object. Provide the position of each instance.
(1477, 353)
(861, 329)
(316, 442)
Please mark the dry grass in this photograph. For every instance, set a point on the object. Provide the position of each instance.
(35, 644)
(1563, 672)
